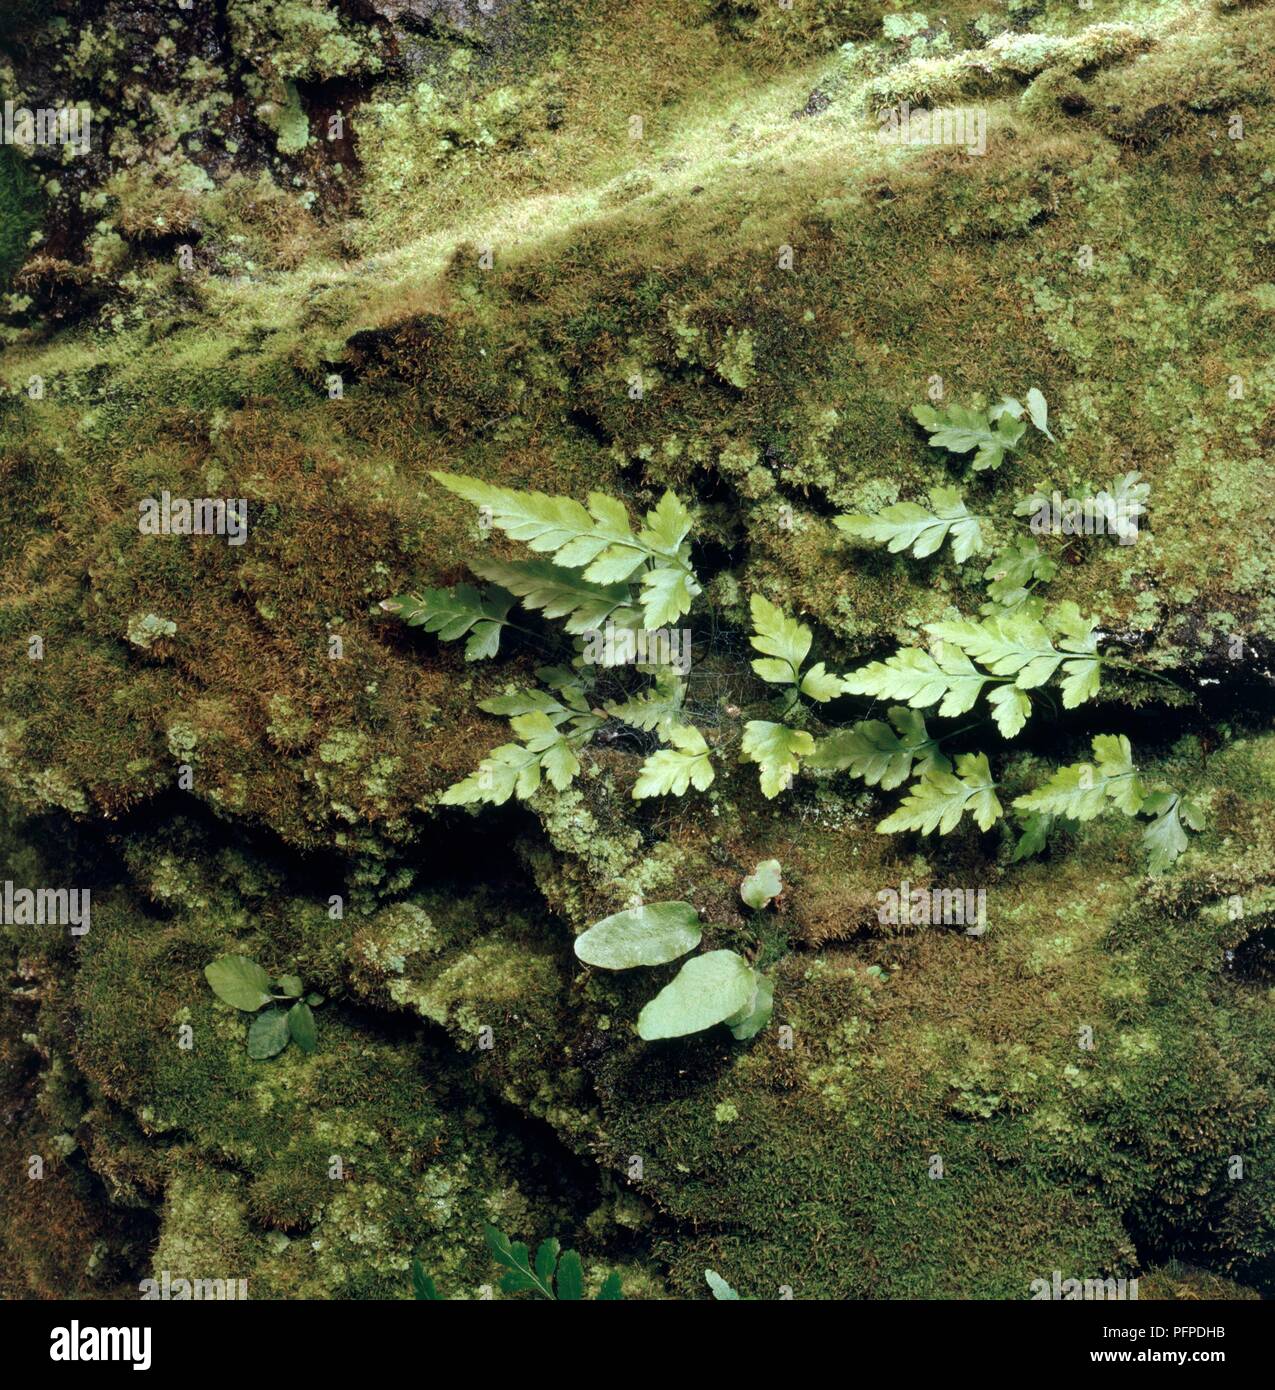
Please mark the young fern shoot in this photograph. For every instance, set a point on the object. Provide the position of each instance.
(775, 746)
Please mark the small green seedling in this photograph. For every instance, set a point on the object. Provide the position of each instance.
(555, 1275)
(244, 985)
(716, 987)
(763, 885)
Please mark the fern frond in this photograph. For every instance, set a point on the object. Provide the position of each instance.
(922, 679)
(960, 430)
(938, 800)
(451, 613)
(777, 750)
(1084, 790)
(652, 709)
(907, 525)
(670, 771)
(878, 754)
(598, 540)
(560, 593)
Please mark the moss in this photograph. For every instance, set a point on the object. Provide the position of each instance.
(308, 1176)
(19, 212)
(336, 338)
(1045, 1146)
(303, 38)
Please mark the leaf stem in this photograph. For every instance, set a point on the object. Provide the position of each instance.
(1151, 675)
(792, 703)
(978, 724)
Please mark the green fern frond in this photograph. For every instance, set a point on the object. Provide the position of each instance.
(907, 525)
(672, 770)
(653, 709)
(560, 593)
(960, 431)
(598, 540)
(938, 800)
(451, 613)
(921, 679)
(874, 751)
(777, 750)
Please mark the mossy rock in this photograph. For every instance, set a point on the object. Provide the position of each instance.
(332, 249)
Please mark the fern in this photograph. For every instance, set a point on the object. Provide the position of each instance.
(516, 769)
(922, 679)
(599, 541)
(1164, 838)
(1016, 650)
(786, 644)
(1034, 834)
(1011, 708)
(1117, 508)
(601, 572)
(451, 613)
(1124, 505)
(960, 431)
(777, 750)
(1014, 571)
(878, 754)
(938, 800)
(775, 747)
(653, 709)
(557, 593)
(1083, 791)
(670, 771)
(1018, 645)
(989, 434)
(563, 698)
(1037, 409)
(554, 726)
(555, 1275)
(906, 525)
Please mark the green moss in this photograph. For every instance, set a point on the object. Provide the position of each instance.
(19, 212)
(463, 1054)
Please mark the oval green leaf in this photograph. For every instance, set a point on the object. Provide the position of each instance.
(651, 935)
(289, 985)
(239, 981)
(301, 1026)
(763, 884)
(268, 1035)
(755, 1015)
(708, 989)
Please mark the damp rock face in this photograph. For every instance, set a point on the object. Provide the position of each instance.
(317, 251)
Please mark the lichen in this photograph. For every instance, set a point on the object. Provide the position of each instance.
(320, 252)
